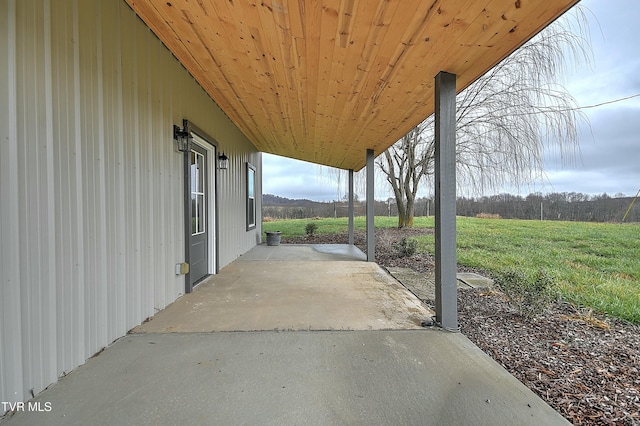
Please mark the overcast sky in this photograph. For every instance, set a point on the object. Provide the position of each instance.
(609, 158)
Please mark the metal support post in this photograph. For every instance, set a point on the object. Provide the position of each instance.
(351, 227)
(445, 208)
(371, 256)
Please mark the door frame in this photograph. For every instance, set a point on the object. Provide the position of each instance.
(210, 145)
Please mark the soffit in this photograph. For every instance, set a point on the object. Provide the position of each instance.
(322, 81)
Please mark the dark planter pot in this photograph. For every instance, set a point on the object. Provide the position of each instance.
(273, 238)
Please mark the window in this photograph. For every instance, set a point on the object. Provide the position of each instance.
(197, 193)
(251, 196)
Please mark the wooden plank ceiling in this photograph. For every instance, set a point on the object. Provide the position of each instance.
(324, 80)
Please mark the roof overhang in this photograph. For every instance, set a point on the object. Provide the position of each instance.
(322, 81)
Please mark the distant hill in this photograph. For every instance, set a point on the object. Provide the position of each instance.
(275, 200)
(276, 207)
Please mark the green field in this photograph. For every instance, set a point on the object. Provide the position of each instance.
(594, 265)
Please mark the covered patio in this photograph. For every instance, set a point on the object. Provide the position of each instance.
(338, 82)
(93, 233)
(292, 335)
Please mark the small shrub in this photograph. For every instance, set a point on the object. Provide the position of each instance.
(311, 228)
(529, 293)
(407, 247)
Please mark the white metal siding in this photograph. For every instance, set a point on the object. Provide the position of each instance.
(91, 191)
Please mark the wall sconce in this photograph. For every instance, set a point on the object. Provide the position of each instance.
(183, 138)
(223, 161)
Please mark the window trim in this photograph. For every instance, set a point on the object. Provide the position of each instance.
(250, 212)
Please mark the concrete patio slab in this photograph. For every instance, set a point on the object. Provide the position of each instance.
(419, 377)
(271, 288)
(386, 370)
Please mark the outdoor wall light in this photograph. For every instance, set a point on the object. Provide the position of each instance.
(223, 161)
(183, 138)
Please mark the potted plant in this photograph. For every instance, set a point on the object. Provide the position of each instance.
(273, 238)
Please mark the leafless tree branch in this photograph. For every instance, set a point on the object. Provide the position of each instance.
(506, 120)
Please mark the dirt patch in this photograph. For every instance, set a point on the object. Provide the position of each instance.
(584, 365)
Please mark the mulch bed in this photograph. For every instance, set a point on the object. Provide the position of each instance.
(582, 364)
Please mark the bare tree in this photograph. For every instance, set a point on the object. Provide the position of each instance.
(405, 164)
(506, 121)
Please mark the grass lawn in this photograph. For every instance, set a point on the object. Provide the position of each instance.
(596, 265)
(295, 227)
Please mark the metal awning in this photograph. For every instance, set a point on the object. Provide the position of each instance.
(322, 81)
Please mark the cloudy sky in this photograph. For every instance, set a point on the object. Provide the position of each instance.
(609, 158)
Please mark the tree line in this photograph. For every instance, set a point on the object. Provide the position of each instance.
(567, 206)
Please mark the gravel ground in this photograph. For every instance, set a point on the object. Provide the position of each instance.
(582, 364)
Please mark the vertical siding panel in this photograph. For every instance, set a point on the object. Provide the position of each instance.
(89, 175)
(160, 186)
(87, 141)
(147, 196)
(171, 167)
(60, 122)
(179, 89)
(29, 20)
(175, 75)
(163, 144)
(160, 174)
(105, 70)
(79, 308)
(119, 318)
(157, 176)
(131, 158)
(139, 312)
(111, 174)
(102, 281)
(166, 142)
(11, 363)
(164, 174)
(121, 299)
(111, 165)
(48, 217)
(25, 278)
(126, 97)
(142, 178)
